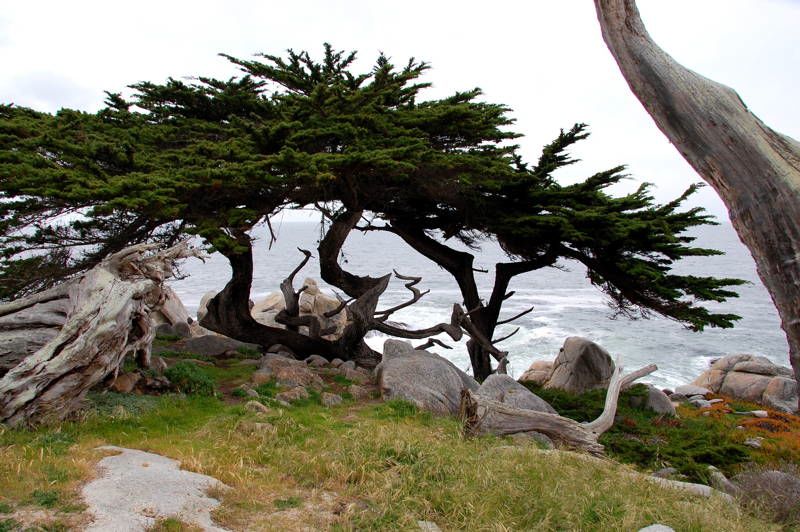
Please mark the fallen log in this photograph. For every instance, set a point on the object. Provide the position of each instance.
(485, 416)
(107, 320)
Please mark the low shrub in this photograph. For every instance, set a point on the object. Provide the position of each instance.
(190, 379)
(772, 493)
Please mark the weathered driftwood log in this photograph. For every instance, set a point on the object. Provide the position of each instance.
(29, 323)
(755, 170)
(107, 319)
(485, 416)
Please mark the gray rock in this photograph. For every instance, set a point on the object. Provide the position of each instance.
(690, 389)
(745, 386)
(336, 362)
(295, 394)
(316, 361)
(349, 364)
(678, 398)
(581, 365)
(542, 440)
(255, 406)
(700, 403)
(538, 372)
(667, 472)
(394, 348)
(658, 402)
(291, 376)
(359, 392)
(125, 382)
(428, 526)
(358, 376)
(657, 528)
(261, 427)
(209, 345)
(505, 389)
(251, 393)
(330, 399)
(427, 380)
(781, 394)
(759, 413)
(755, 443)
(261, 376)
(273, 361)
(759, 367)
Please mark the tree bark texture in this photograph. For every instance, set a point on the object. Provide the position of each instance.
(107, 320)
(755, 170)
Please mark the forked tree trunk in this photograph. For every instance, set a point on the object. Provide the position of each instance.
(755, 170)
(107, 320)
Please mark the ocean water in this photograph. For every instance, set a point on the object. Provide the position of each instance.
(565, 303)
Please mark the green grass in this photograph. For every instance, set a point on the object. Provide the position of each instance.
(341, 380)
(289, 502)
(382, 466)
(45, 498)
(8, 525)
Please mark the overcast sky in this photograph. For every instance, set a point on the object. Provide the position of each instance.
(546, 60)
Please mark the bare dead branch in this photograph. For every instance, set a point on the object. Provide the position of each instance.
(383, 315)
(342, 305)
(430, 343)
(290, 297)
(506, 337)
(516, 317)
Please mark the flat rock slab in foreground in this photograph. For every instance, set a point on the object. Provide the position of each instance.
(135, 489)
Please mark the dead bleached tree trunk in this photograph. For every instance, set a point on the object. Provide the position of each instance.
(755, 170)
(107, 319)
(485, 416)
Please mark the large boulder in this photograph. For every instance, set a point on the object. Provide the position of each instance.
(538, 372)
(752, 378)
(655, 400)
(425, 379)
(505, 389)
(581, 365)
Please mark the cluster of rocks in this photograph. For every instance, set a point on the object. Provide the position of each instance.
(435, 384)
(752, 378)
(581, 366)
(295, 378)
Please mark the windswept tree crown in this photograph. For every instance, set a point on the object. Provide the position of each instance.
(215, 157)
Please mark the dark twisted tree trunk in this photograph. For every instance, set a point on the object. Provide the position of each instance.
(483, 317)
(755, 170)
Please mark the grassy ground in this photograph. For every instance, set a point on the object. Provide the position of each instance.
(358, 466)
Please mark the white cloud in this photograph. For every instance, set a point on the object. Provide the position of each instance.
(546, 60)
